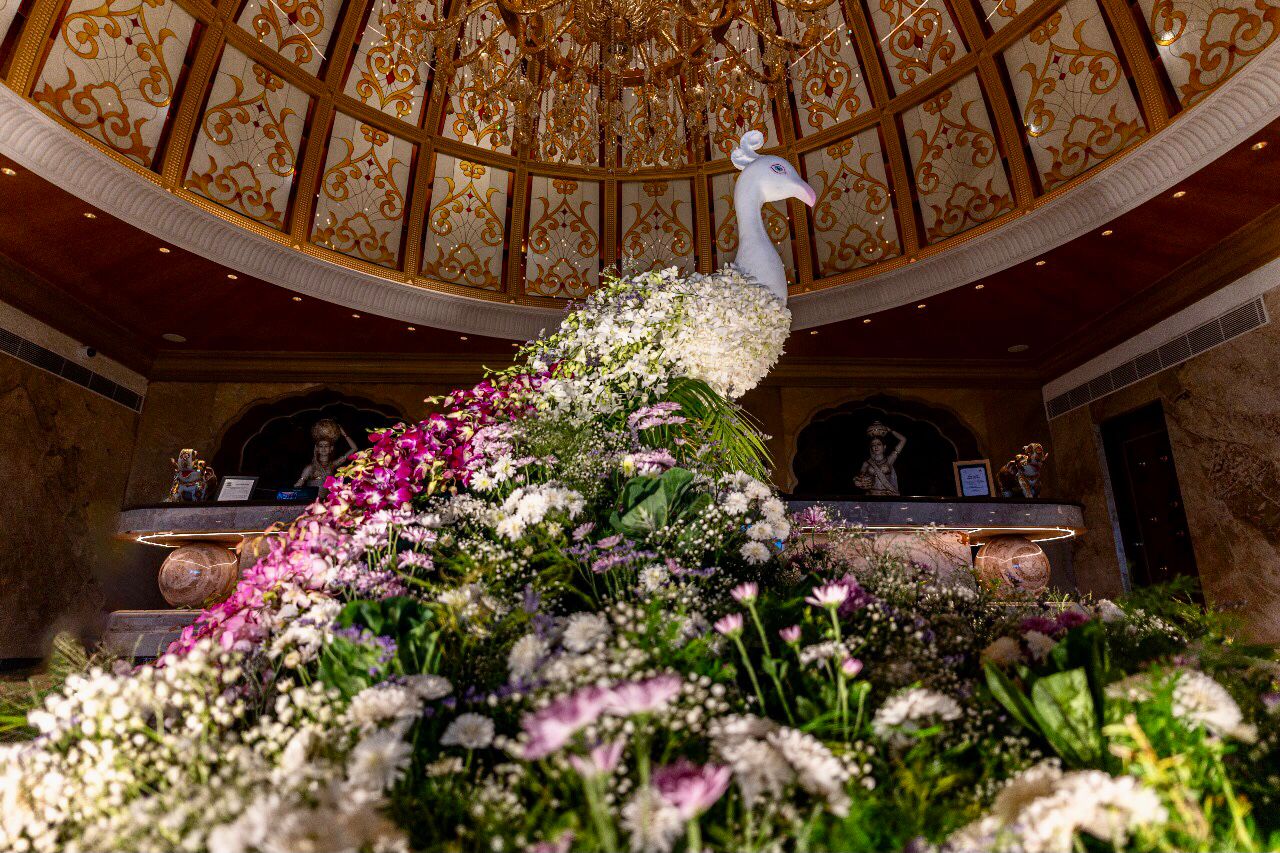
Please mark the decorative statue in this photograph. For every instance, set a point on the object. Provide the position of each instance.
(192, 478)
(763, 179)
(1020, 477)
(324, 464)
(878, 476)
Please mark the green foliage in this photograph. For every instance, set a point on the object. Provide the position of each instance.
(407, 621)
(739, 443)
(1064, 701)
(66, 658)
(651, 503)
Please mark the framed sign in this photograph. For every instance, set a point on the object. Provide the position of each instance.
(235, 488)
(973, 478)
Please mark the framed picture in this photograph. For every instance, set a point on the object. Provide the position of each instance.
(235, 488)
(973, 478)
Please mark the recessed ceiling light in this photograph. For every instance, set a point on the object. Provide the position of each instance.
(462, 337)
(979, 286)
(921, 305)
(813, 332)
(867, 320)
(355, 316)
(10, 172)
(232, 276)
(164, 250)
(89, 214)
(412, 328)
(1040, 263)
(1107, 233)
(297, 299)
(515, 344)
(174, 338)
(1259, 145)
(1179, 193)
(1019, 348)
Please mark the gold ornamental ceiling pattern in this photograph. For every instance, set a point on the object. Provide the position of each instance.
(920, 124)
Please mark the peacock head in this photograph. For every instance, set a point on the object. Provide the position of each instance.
(774, 178)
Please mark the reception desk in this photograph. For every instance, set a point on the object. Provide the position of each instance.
(980, 519)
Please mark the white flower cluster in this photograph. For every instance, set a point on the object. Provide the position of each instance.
(529, 506)
(167, 757)
(630, 337)
(1043, 809)
(743, 496)
(767, 758)
(911, 711)
(1201, 701)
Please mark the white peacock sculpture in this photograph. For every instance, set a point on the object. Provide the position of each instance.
(764, 178)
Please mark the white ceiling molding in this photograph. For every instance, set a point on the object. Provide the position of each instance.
(1238, 109)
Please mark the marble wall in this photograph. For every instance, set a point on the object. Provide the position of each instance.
(1223, 414)
(65, 458)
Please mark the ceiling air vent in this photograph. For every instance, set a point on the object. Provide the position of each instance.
(1206, 336)
(37, 356)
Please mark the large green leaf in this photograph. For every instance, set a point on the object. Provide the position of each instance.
(650, 503)
(1007, 693)
(1067, 716)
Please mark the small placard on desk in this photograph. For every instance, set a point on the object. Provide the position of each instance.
(973, 478)
(235, 488)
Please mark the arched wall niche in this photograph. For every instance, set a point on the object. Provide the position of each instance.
(832, 445)
(271, 439)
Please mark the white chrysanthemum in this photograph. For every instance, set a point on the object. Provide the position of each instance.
(817, 770)
(469, 731)
(651, 823)
(758, 767)
(1002, 651)
(1039, 644)
(383, 702)
(525, 656)
(1037, 781)
(1043, 809)
(755, 553)
(585, 631)
(913, 710)
(429, 687)
(1199, 700)
(378, 760)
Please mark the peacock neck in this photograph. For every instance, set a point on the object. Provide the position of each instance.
(757, 256)
(747, 204)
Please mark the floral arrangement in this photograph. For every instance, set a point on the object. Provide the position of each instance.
(567, 613)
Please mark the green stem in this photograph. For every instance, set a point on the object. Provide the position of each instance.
(1237, 815)
(751, 671)
(695, 836)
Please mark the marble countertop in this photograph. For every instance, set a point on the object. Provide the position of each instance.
(174, 524)
(980, 518)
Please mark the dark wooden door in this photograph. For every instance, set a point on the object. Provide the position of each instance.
(1153, 519)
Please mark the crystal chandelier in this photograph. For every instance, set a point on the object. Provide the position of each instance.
(551, 59)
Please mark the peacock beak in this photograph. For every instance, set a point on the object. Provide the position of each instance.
(807, 195)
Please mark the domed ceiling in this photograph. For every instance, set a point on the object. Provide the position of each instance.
(511, 153)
